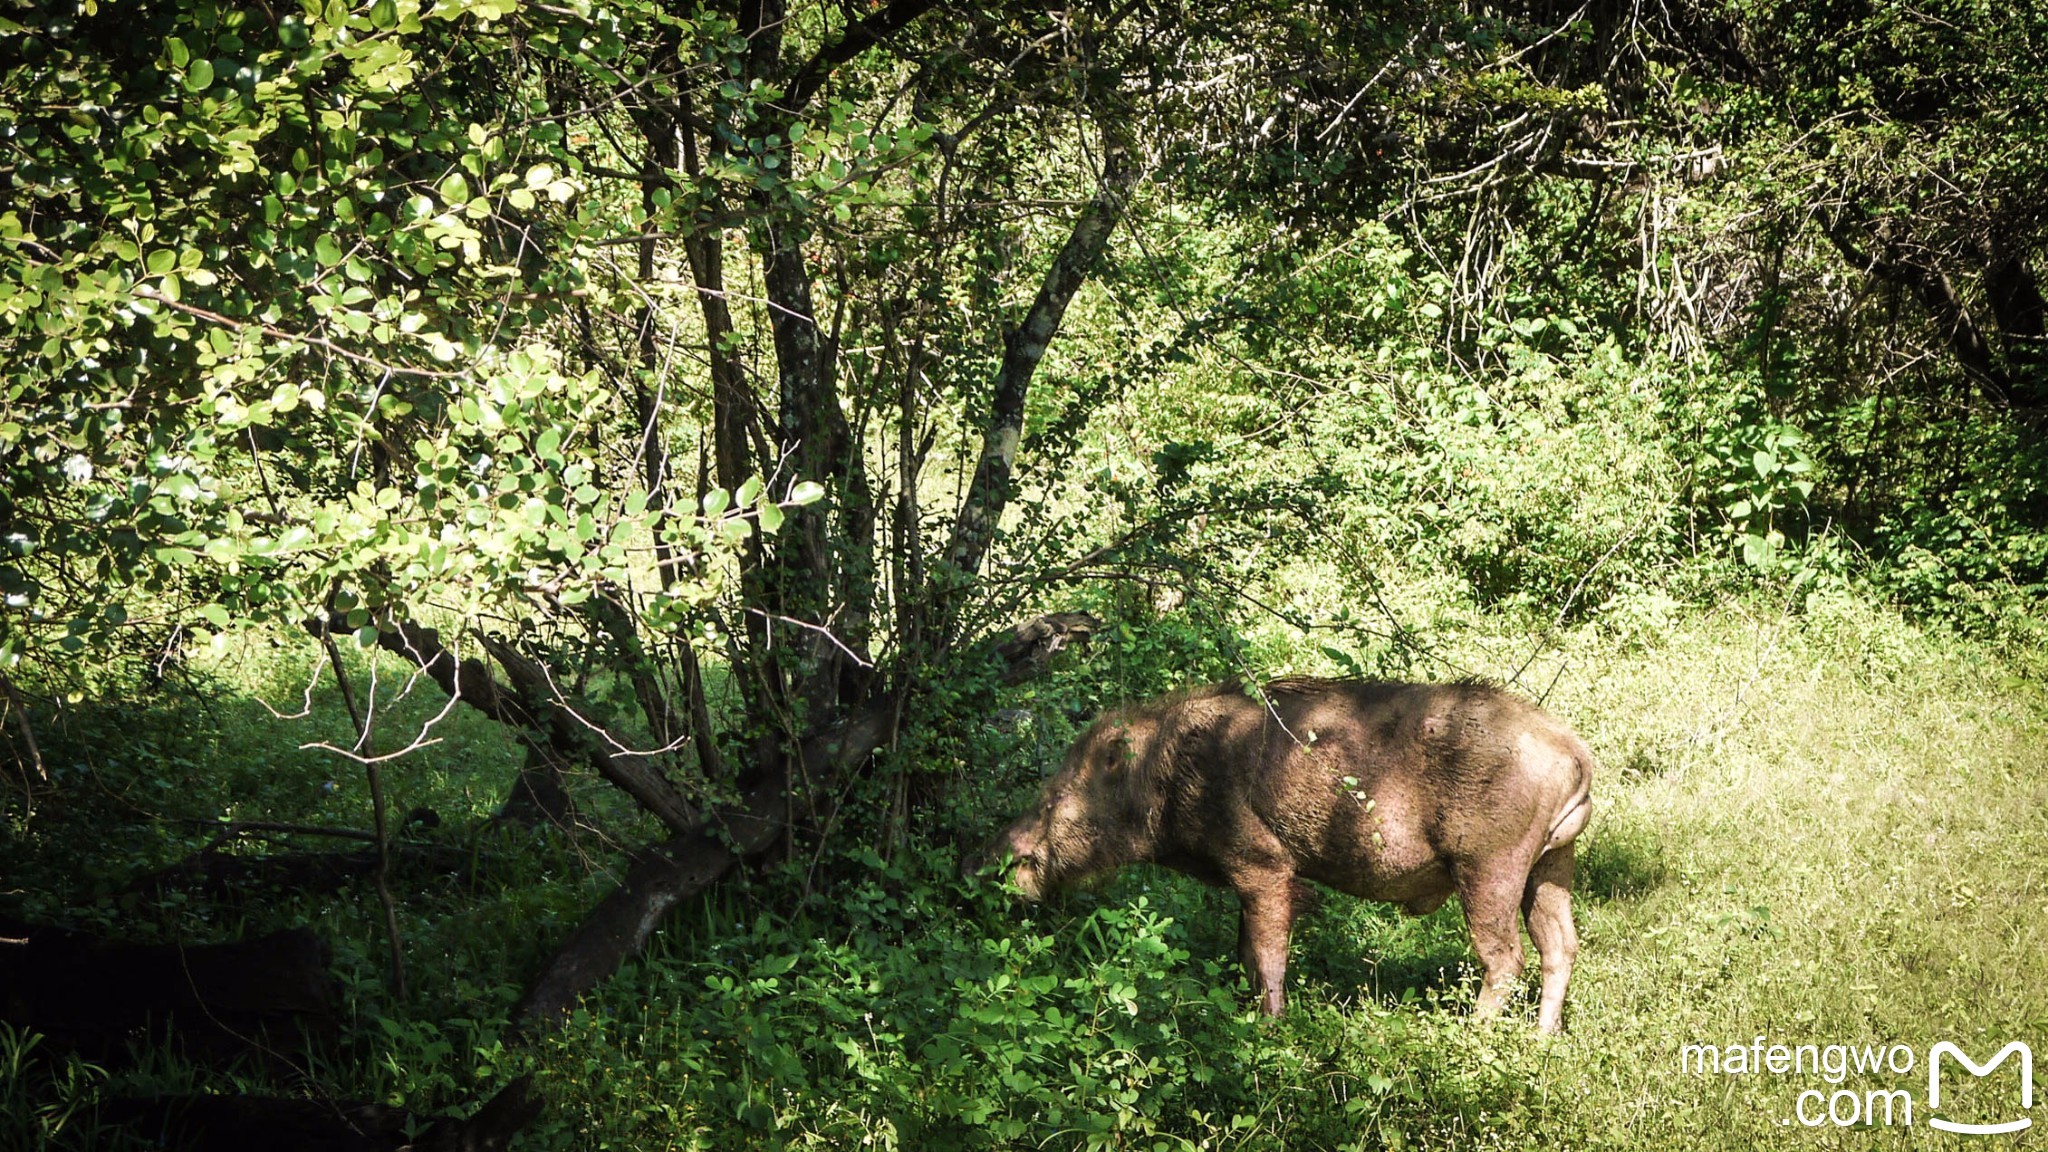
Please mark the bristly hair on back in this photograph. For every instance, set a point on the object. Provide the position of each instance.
(1310, 685)
(1138, 709)
(1302, 685)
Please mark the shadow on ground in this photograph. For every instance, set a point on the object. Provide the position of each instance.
(1360, 950)
(1620, 864)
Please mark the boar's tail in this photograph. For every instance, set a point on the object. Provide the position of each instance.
(1578, 806)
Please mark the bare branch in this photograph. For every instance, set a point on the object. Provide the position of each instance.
(860, 36)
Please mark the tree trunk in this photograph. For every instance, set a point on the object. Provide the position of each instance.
(2022, 316)
(1937, 296)
(989, 492)
(539, 794)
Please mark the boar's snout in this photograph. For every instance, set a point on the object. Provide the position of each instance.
(1022, 845)
(1029, 876)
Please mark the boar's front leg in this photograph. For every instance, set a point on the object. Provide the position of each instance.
(1266, 915)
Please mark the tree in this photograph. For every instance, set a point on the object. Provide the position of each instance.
(321, 315)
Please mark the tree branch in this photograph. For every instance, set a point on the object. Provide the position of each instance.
(662, 877)
(860, 36)
(531, 704)
(1936, 294)
(1024, 347)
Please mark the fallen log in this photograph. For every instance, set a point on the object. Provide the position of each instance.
(236, 1123)
(272, 996)
(221, 876)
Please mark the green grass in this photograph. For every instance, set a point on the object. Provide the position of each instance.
(1821, 827)
(1818, 829)
(1845, 822)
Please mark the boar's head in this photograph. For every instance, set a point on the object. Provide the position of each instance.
(1097, 813)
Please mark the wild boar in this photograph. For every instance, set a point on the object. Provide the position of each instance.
(1406, 793)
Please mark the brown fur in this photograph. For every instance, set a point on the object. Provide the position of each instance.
(1459, 789)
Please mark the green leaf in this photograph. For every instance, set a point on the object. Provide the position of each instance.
(806, 492)
(716, 501)
(771, 518)
(199, 77)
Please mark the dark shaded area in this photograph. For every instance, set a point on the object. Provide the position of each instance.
(1620, 864)
(1394, 959)
(1438, 971)
(207, 1123)
(271, 997)
(224, 877)
(234, 1123)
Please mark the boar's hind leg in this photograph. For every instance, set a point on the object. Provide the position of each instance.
(1265, 917)
(1547, 905)
(1490, 896)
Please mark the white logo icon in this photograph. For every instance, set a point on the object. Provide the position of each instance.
(1975, 1069)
